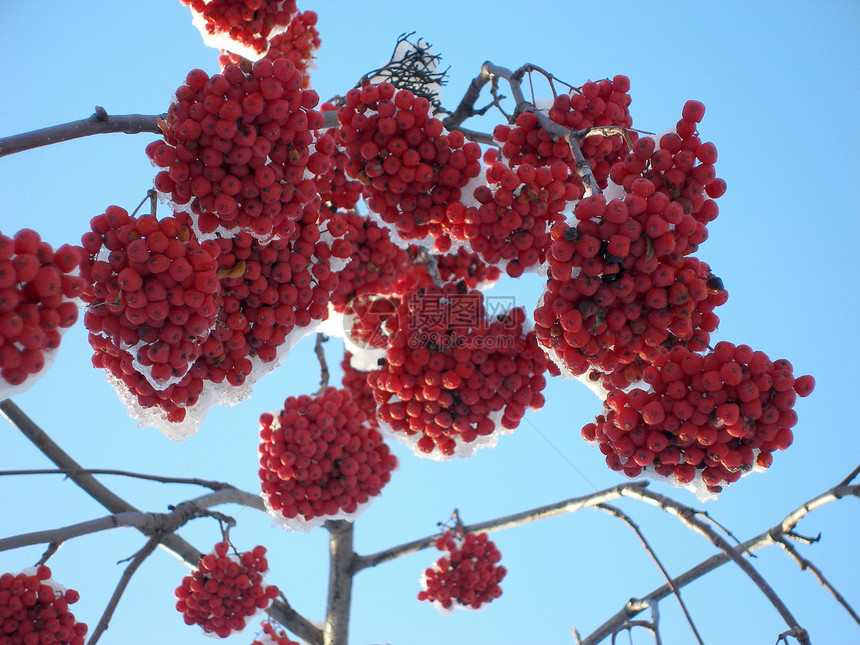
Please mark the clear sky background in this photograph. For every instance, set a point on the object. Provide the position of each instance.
(781, 84)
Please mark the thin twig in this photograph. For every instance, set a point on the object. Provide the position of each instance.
(123, 473)
(99, 123)
(509, 521)
(803, 563)
(635, 527)
(136, 561)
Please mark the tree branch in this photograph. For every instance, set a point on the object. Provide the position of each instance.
(183, 550)
(635, 527)
(99, 123)
(803, 563)
(137, 560)
(688, 517)
(148, 523)
(123, 473)
(336, 630)
(635, 606)
(509, 521)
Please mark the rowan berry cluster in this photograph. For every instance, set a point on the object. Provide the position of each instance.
(272, 635)
(467, 575)
(535, 177)
(34, 609)
(298, 44)
(376, 264)
(152, 291)
(321, 459)
(38, 288)
(410, 170)
(225, 589)
(621, 279)
(454, 377)
(247, 22)
(712, 416)
(240, 150)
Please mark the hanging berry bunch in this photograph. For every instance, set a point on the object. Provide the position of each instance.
(705, 420)
(272, 634)
(467, 575)
(225, 590)
(410, 170)
(38, 288)
(321, 459)
(240, 152)
(35, 609)
(453, 376)
(241, 26)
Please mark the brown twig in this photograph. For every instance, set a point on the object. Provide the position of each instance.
(645, 544)
(136, 561)
(99, 123)
(804, 564)
(183, 550)
(123, 473)
(509, 521)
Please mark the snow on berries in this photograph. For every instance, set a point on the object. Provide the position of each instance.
(240, 151)
(467, 575)
(321, 459)
(38, 292)
(241, 26)
(705, 420)
(272, 634)
(454, 377)
(34, 608)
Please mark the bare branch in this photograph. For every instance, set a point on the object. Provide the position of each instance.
(98, 123)
(183, 550)
(509, 521)
(123, 473)
(635, 527)
(635, 606)
(341, 573)
(688, 517)
(136, 561)
(806, 564)
(320, 353)
(162, 524)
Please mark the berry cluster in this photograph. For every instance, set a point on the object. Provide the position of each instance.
(453, 376)
(152, 291)
(409, 169)
(467, 575)
(37, 291)
(454, 266)
(248, 23)
(621, 279)
(596, 104)
(711, 416)
(376, 263)
(355, 382)
(240, 152)
(272, 635)
(366, 320)
(35, 609)
(298, 44)
(320, 459)
(225, 589)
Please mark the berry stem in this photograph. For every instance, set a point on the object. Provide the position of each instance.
(324, 373)
(99, 123)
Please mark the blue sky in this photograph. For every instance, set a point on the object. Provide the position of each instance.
(781, 84)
